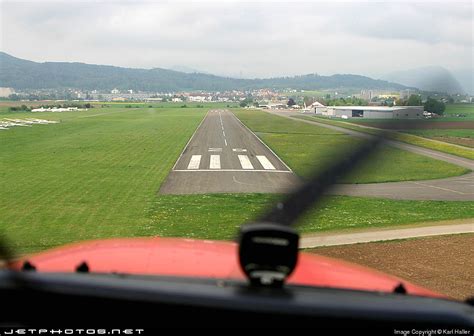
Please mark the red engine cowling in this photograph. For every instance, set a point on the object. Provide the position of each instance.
(205, 259)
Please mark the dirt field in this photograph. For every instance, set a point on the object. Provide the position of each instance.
(468, 142)
(10, 103)
(420, 124)
(444, 263)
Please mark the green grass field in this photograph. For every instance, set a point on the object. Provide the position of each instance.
(97, 174)
(459, 133)
(400, 136)
(335, 213)
(307, 148)
(93, 175)
(454, 109)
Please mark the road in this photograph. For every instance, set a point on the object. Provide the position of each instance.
(224, 156)
(459, 188)
(321, 239)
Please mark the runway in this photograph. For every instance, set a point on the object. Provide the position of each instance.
(224, 156)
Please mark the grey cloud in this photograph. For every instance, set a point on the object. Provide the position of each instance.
(262, 39)
(424, 22)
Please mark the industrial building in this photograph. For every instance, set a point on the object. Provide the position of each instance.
(371, 112)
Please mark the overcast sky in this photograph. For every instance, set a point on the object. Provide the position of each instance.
(247, 39)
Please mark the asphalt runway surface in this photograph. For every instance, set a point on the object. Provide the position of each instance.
(459, 188)
(224, 156)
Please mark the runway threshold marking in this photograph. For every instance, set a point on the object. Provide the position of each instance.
(194, 162)
(232, 171)
(266, 164)
(245, 162)
(215, 162)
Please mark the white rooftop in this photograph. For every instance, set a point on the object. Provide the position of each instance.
(374, 108)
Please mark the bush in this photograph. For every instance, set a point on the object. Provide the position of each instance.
(22, 108)
(434, 106)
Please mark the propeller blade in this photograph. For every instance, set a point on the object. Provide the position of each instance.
(287, 211)
(268, 248)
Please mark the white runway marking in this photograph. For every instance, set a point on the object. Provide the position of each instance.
(222, 126)
(220, 117)
(215, 149)
(239, 150)
(194, 162)
(232, 170)
(266, 164)
(432, 186)
(215, 162)
(245, 162)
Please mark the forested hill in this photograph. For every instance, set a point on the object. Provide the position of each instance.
(432, 78)
(23, 74)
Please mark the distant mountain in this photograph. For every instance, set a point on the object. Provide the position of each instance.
(22, 74)
(185, 69)
(432, 78)
(466, 79)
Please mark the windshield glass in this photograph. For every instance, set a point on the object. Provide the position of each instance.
(139, 121)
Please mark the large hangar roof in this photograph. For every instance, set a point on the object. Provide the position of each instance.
(374, 108)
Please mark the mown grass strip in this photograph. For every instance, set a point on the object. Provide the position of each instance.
(219, 216)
